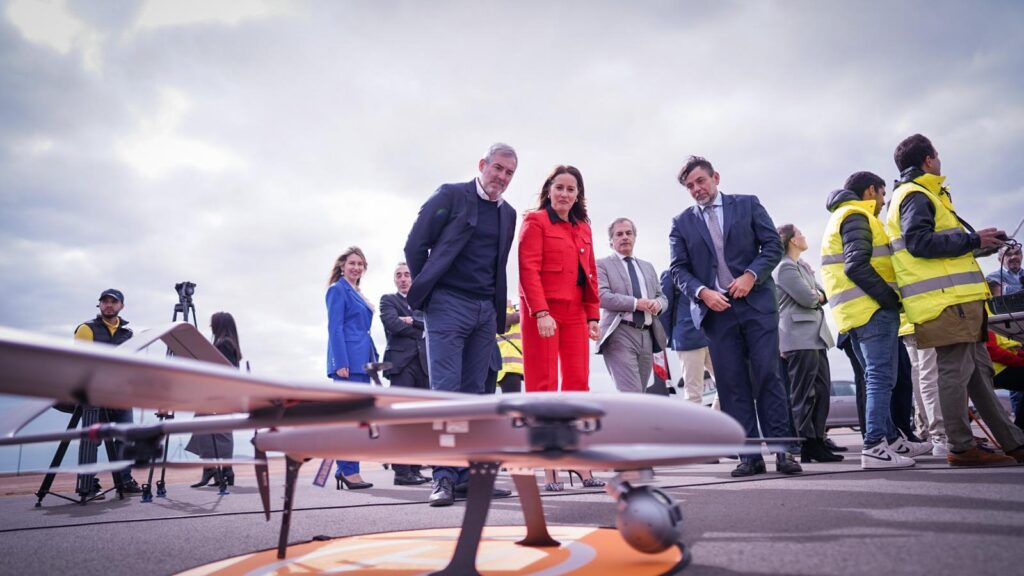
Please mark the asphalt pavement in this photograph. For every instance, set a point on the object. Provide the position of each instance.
(834, 519)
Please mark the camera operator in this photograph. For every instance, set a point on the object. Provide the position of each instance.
(109, 328)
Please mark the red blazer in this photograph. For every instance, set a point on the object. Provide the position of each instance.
(550, 254)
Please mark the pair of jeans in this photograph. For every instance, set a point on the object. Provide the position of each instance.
(876, 345)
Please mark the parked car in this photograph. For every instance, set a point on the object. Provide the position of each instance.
(842, 411)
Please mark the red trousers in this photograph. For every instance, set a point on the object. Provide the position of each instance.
(568, 347)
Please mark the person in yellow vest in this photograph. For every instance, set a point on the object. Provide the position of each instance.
(1007, 360)
(944, 294)
(109, 328)
(860, 284)
(510, 344)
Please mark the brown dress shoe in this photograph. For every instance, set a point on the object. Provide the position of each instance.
(979, 457)
(1017, 454)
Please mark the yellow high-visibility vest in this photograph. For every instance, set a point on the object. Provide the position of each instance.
(851, 306)
(906, 326)
(930, 285)
(510, 344)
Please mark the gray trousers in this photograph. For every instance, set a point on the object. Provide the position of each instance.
(628, 355)
(811, 381)
(966, 370)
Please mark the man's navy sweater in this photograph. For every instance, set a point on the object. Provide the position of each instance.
(473, 273)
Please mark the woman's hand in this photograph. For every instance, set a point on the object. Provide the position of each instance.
(594, 330)
(546, 326)
(342, 372)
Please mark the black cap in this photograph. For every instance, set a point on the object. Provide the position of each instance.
(113, 293)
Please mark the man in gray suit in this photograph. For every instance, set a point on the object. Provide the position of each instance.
(631, 299)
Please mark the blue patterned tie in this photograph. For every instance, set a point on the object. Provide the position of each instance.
(638, 317)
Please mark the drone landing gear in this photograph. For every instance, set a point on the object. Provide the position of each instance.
(481, 488)
(161, 486)
(533, 511)
(290, 478)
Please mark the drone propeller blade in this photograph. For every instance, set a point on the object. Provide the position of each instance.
(263, 481)
(617, 456)
(207, 463)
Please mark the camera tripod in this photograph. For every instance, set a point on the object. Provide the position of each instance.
(87, 415)
(184, 306)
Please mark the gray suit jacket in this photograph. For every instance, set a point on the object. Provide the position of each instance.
(802, 323)
(617, 298)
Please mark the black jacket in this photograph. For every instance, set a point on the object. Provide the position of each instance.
(100, 333)
(857, 248)
(917, 221)
(443, 227)
(405, 341)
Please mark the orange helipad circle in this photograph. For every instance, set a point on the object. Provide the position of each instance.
(583, 550)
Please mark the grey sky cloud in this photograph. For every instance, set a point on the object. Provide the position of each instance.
(244, 147)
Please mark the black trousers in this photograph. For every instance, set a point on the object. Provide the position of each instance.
(412, 376)
(1012, 378)
(811, 383)
(511, 382)
(902, 405)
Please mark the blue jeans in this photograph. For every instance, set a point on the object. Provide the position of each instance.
(876, 345)
(349, 467)
(460, 346)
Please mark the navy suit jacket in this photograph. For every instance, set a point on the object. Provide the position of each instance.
(405, 341)
(751, 243)
(443, 227)
(677, 321)
(349, 344)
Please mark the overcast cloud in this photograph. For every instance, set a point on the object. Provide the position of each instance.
(243, 146)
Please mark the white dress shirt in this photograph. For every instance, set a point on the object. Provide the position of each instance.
(643, 287)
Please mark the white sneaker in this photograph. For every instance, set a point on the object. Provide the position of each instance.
(881, 456)
(905, 447)
(939, 448)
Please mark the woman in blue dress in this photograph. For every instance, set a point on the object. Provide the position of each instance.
(349, 346)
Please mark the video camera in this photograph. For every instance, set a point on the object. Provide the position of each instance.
(185, 290)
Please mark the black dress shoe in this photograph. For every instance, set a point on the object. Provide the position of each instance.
(813, 450)
(829, 455)
(443, 495)
(786, 464)
(130, 487)
(410, 480)
(749, 468)
(832, 447)
(462, 490)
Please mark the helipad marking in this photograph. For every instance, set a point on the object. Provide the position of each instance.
(584, 550)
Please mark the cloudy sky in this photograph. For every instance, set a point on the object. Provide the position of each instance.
(244, 145)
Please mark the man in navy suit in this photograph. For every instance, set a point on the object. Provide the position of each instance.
(457, 252)
(723, 253)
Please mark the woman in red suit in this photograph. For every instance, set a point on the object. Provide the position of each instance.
(558, 293)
